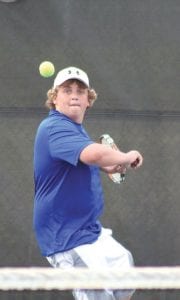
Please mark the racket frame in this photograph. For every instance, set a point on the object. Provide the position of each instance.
(106, 139)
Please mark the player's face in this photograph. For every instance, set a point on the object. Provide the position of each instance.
(72, 100)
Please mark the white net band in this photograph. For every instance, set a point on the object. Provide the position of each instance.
(57, 279)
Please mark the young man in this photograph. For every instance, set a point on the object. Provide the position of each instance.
(68, 191)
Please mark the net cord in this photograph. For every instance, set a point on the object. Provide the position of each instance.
(40, 278)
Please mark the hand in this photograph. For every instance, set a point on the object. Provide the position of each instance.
(136, 159)
(135, 163)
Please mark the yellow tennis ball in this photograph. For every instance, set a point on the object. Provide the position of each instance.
(46, 69)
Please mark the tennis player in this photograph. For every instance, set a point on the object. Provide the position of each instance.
(68, 191)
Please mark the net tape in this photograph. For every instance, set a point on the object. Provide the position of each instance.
(41, 278)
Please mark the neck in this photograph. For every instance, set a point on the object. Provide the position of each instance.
(74, 118)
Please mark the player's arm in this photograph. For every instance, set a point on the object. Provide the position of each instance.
(104, 156)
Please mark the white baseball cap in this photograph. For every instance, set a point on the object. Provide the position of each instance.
(71, 73)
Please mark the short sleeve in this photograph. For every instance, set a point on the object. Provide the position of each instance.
(67, 140)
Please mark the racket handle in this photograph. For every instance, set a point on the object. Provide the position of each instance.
(123, 175)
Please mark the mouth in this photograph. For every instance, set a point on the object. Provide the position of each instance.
(75, 105)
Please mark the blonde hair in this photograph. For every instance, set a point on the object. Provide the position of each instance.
(52, 94)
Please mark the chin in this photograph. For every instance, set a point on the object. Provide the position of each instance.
(76, 117)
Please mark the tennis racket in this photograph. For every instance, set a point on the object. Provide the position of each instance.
(106, 139)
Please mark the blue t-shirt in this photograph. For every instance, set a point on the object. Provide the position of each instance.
(68, 193)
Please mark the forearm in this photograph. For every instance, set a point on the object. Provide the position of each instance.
(104, 156)
(114, 169)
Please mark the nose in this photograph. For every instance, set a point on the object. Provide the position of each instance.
(74, 96)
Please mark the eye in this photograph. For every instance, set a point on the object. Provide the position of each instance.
(81, 91)
(67, 90)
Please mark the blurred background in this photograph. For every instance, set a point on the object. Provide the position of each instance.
(130, 50)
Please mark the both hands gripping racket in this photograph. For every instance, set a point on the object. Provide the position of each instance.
(106, 139)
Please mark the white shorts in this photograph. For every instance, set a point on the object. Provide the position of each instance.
(105, 252)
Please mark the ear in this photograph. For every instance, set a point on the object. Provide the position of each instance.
(54, 101)
(89, 103)
(54, 97)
